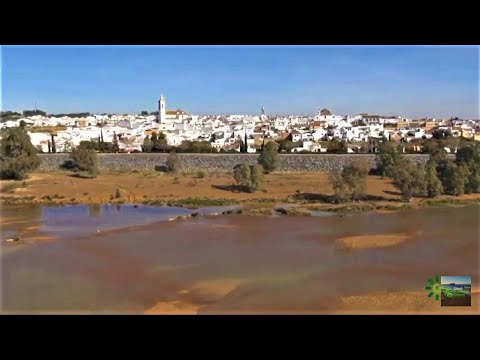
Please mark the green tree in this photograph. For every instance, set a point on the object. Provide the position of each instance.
(250, 177)
(144, 113)
(453, 178)
(435, 149)
(147, 144)
(23, 124)
(89, 145)
(339, 186)
(115, 142)
(85, 162)
(409, 179)
(174, 164)
(27, 113)
(433, 184)
(17, 154)
(256, 171)
(102, 143)
(355, 177)
(350, 183)
(54, 148)
(336, 146)
(269, 157)
(285, 145)
(162, 145)
(154, 138)
(468, 156)
(388, 159)
(473, 178)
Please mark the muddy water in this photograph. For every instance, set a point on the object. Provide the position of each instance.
(109, 260)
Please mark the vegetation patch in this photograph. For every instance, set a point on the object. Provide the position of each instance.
(200, 202)
(10, 188)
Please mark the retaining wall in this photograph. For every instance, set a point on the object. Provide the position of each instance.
(212, 162)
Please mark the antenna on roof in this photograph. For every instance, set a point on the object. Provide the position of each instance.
(35, 105)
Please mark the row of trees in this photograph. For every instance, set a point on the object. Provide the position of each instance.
(27, 113)
(72, 115)
(440, 175)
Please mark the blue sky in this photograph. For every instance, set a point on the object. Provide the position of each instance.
(414, 81)
(456, 279)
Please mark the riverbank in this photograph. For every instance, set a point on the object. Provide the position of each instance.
(286, 193)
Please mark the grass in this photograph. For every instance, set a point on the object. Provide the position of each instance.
(200, 202)
(10, 188)
(13, 200)
(53, 197)
(154, 202)
(452, 202)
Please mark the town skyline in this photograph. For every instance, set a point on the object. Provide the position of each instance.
(411, 81)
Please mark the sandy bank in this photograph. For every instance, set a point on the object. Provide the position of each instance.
(172, 308)
(372, 241)
(401, 302)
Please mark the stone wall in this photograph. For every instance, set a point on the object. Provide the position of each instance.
(212, 162)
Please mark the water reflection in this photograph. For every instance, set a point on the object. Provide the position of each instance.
(95, 210)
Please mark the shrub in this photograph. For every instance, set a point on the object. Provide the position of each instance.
(409, 179)
(85, 162)
(468, 157)
(250, 177)
(433, 184)
(200, 174)
(350, 183)
(453, 177)
(269, 157)
(10, 188)
(336, 146)
(338, 185)
(173, 164)
(17, 155)
(388, 159)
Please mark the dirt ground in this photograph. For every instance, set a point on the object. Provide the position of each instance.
(62, 188)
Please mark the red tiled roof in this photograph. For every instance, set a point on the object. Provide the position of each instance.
(176, 112)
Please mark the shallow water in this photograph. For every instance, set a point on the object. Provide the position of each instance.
(223, 264)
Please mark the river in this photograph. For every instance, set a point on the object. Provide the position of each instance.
(131, 260)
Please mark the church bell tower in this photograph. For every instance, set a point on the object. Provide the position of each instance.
(161, 110)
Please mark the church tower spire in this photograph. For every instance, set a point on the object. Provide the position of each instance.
(161, 109)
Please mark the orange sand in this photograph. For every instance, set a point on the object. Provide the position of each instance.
(372, 241)
(413, 302)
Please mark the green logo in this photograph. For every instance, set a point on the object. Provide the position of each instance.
(434, 287)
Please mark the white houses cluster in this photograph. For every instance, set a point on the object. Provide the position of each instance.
(227, 132)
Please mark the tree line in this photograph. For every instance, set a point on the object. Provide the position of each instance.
(440, 175)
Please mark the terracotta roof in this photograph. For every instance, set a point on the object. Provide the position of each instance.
(176, 112)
